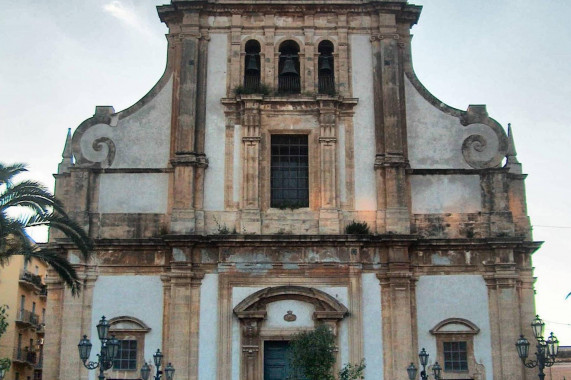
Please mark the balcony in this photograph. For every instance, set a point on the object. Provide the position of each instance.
(43, 292)
(30, 281)
(25, 356)
(27, 318)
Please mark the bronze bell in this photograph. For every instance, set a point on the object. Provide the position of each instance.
(289, 66)
(252, 65)
(324, 65)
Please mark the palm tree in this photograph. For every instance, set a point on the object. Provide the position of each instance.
(29, 204)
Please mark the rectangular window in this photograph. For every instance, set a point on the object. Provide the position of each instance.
(289, 171)
(455, 356)
(127, 356)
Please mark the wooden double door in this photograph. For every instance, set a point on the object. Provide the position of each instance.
(276, 361)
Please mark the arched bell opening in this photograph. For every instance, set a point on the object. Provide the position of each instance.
(252, 67)
(326, 70)
(289, 78)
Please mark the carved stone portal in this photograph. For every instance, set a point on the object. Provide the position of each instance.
(252, 311)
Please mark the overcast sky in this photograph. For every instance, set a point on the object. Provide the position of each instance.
(61, 58)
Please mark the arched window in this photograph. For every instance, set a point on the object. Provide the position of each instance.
(288, 79)
(326, 70)
(252, 66)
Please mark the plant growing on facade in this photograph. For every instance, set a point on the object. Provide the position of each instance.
(312, 357)
(28, 204)
(357, 228)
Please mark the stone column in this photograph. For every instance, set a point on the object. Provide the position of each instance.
(390, 129)
(183, 319)
(342, 71)
(251, 219)
(398, 310)
(189, 50)
(53, 336)
(328, 213)
(309, 75)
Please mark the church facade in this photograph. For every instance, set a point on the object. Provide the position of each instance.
(289, 170)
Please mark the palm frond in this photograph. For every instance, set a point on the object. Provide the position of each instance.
(57, 262)
(7, 173)
(30, 194)
(68, 226)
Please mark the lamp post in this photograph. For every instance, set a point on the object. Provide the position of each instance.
(158, 360)
(546, 350)
(109, 349)
(423, 356)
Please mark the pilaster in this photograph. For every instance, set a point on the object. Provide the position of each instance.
(393, 213)
(183, 318)
(505, 317)
(398, 311)
(188, 114)
(328, 213)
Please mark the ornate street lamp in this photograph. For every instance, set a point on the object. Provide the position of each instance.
(546, 350)
(109, 349)
(423, 356)
(158, 360)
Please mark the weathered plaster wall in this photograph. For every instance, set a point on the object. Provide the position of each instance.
(276, 312)
(208, 328)
(372, 326)
(215, 122)
(364, 122)
(435, 138)
(136, 296)
(437, 194)
(133, 193)
(142, 139)
(459, 296)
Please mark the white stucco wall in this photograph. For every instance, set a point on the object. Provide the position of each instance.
(131, 295)
(458, 296)
(142, 140)
(215, 122)
(364, 122)
(133, 193)
(435, 138)
(445, 193)
(302, 310)
(208, 328)
(276, 313)
(372, 325)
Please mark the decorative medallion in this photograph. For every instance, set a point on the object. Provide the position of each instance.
(290, 316)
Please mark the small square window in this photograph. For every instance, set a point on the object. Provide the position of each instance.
(127, 356)
(289, 171)
(455, 356)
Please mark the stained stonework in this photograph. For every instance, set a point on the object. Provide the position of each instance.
(229, 272)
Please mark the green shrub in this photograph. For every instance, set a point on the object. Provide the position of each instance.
(312, 357)
(357, 228)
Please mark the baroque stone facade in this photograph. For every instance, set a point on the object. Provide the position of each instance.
(219, 203)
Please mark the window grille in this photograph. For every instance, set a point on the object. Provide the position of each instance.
(455, 356)
(289, 171)
(127, 356)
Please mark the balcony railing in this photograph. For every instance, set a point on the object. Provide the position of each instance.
(24, 355)
(30, 279)
(27, 317)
